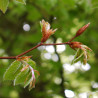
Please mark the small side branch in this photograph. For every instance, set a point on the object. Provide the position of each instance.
(72, 38)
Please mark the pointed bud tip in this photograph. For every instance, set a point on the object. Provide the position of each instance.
(88, 24)
(55, 30)
(82, 29)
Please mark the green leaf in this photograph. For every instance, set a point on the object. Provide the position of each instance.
(31, 63)
(78, 56)
(36, 14)
(21, 77)
(4, 5)
(13, 70)
(28, 81)
(21, 1)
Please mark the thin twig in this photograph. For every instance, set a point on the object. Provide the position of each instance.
(72, 38)
(41, 44)
(11, 57)
(29, 50)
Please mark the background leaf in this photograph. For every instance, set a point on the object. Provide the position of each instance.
(21, 1)
(4, 5)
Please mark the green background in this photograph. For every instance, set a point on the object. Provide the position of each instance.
(55, 78)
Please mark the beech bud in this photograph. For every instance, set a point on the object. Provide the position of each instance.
(46, 31)
(81, 30)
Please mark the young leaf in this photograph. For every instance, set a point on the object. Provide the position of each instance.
(21, 77)
(21, 1)
(4, 5)
(29, 79)
(13, 70)
(78, 56)
(31, 63)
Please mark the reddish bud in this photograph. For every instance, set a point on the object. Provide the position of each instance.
(81, 30)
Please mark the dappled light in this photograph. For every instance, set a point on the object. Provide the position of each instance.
(69, 93)
(48, 48)
(55, 57)
(77, 66)
(26, 27)
(61, 48)
(47, 56)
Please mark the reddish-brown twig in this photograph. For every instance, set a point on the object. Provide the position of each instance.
(41, 44)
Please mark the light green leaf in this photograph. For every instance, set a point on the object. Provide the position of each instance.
(21, 1)
(78, 56)
(21, 77)
(13, 70)
(4, 5)
(31, 63)
(28, 81)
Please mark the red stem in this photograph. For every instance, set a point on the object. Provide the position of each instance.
(41, 44)
(72, 38)
(29, 50)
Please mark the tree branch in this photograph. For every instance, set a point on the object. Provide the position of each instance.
(41, 44)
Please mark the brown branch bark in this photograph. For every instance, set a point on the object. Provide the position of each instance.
(41, 44)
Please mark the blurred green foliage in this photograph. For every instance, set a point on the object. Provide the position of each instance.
(56, 74)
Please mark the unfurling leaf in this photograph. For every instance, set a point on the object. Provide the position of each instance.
(78, 56)
(13, 70)
(28, 80)
(31, 63)
(46, 31)
(22, 71)
(4, 5)
(21, 1)
(84, 52)
(21, 77)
